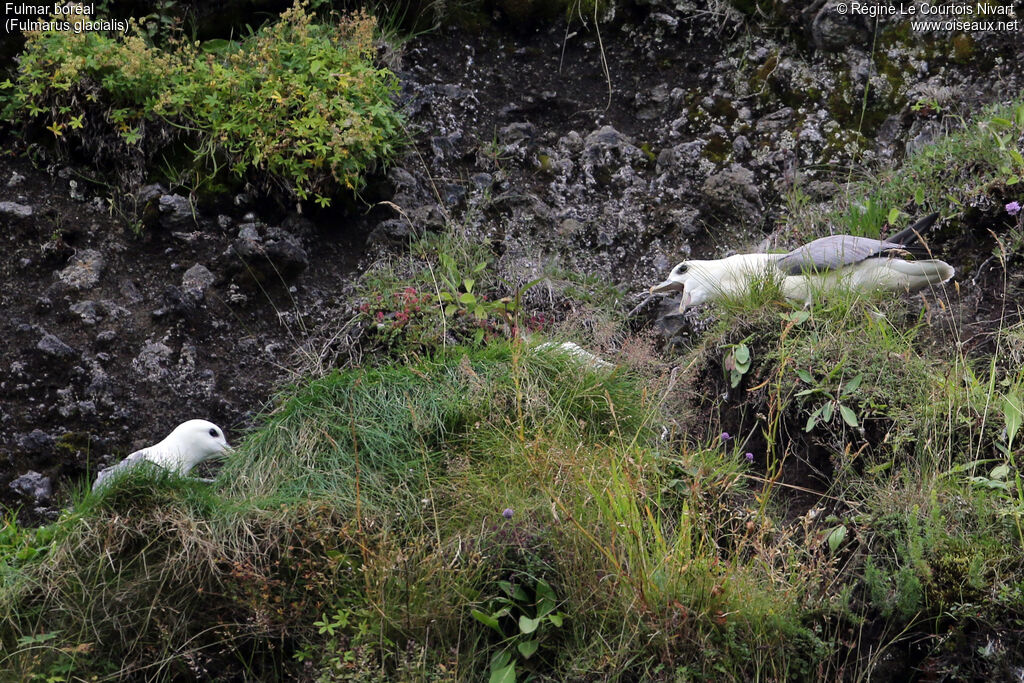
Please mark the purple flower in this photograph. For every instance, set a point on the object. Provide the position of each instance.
(1013, 208)
(726, 436)
(750, 457)
(507, 514)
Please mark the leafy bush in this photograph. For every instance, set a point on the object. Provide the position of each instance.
(298, 103)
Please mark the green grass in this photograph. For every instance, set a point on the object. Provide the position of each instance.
(976, 164)
(371, 501)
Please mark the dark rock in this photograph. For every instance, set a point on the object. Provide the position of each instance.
(106, 338)
(33, 485)
(776, 122)
(16, 210)
(176, 212)
(733, 188)
(148, 193)
(130, 292)
(88, 311)
(741, 147)
(445, 146)
(481, 181)
(833, 31)
(152, 361)
(197, 280)
(37, 441)
(174, 303)
(519, 130)
(607, 150)
(51, 345)
(391, 231)
(84, 271)
(684, 221)
(266, 253)
(454, 193)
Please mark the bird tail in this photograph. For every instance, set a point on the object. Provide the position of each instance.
(916, 275)
(911, 235)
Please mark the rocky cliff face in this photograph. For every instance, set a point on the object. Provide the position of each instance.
(668, 129)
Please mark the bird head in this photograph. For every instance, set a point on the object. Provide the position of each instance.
(710, 280)
(199, 439)
(692, 279)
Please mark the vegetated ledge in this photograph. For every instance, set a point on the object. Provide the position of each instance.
(298, 108)
(493, 509)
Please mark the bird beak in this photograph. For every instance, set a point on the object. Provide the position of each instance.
(667, 287)
(684, 302)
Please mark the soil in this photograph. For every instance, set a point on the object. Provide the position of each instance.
(91, 371)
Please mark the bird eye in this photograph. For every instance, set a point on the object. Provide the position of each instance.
(213, 433)
(681, 268)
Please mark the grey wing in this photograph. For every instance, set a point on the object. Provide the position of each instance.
(830, 253)
(106, 475)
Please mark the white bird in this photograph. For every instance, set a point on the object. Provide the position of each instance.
(577, 353)
(189, 444)
(825, 264)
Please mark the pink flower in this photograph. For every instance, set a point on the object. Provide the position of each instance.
(1013, 208)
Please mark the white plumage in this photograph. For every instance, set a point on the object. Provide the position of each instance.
(828, 263)
(189, 444)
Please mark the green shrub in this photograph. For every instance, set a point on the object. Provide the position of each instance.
(297, 104)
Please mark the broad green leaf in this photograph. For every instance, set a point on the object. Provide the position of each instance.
(836, 537)
(853, 384)
(894, 215)
(527, 648)
(985, 482)
(467, 298)
(501, 658)
(919, 196)
(486, 620)
(528, 625)
(742, 354)
(805, 376)
(849, 417)
(557, 618)
(999, 472)
(826, 413)
(1013, 415)
(469, 282)
(505, 674)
